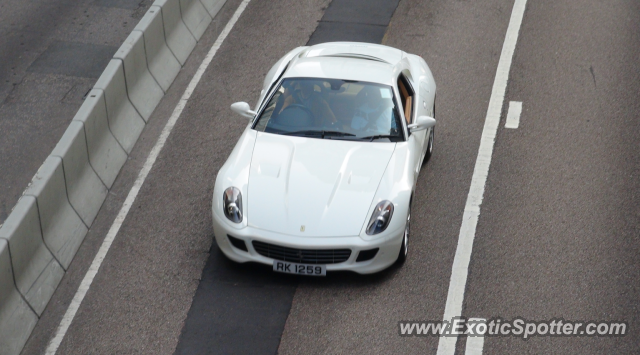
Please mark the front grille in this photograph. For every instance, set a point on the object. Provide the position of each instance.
(302, 256)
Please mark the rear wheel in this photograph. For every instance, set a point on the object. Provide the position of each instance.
(427, 154)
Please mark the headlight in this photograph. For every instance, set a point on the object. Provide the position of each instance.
(380, 218)
(232, 202)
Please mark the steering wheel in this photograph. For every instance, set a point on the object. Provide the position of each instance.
(295, 115)
(298, 106)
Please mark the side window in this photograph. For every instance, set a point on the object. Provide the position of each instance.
(406, 96)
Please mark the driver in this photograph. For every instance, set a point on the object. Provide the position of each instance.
(304, 94)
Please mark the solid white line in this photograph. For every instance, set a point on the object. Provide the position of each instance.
(513, 115)
(122, 214)
(459, 271)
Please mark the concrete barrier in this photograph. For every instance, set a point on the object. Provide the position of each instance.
(213, 6)
(143, 90)
(42, 234)
(17, 320)
(162, 64)
(37, 274)
(85, 190)
(125, 122)
(179, 40)
(105, 154)
(62, 229)
(195, 16)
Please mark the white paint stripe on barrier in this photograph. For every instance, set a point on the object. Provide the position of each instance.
(85, 190)
(36, 272)
(178, 37)
(460, 268)
(17, 320)
(125, 122)
(513, 115)
(213, 6)
(62, 229)
(143, 90)
(162, 64)
(105, 154)
(52, 348)
(195, 16)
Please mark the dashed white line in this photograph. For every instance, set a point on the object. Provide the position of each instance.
(460, 269)
(513, 115)
(475, 344)
(52, 348)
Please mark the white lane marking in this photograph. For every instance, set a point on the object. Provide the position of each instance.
(133, 193)
(460, 269)
(513, 115)
(475, 344)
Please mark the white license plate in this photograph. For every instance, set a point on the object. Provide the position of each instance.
(299, 269)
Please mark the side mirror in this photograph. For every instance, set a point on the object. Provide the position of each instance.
(422, 123)
(243, 109)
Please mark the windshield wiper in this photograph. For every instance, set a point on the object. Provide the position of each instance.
(371, 138)
(336, 134)
(308, 132)
(322, 134)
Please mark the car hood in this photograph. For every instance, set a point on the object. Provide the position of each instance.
(313, 187)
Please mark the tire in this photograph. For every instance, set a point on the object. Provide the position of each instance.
(404, 247)
(429, 152)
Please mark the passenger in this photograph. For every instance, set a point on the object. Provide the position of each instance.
(304, 94)
(374, 114)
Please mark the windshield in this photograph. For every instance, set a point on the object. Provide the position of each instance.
(333, 109)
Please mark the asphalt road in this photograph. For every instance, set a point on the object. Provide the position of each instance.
(558, 234)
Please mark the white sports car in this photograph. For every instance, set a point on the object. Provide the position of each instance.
(323, 176)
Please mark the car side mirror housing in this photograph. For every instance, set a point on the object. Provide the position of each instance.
(422, 123)
(243, 109)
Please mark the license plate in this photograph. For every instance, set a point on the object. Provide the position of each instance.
(299, 269)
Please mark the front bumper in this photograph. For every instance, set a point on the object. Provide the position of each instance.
(389, 246)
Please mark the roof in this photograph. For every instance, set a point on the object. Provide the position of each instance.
(342, 68)
(347, 60)
(387, 54)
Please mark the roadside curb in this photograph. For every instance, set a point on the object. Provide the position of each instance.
(48, 224)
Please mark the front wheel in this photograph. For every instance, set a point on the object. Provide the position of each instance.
(404, 248)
